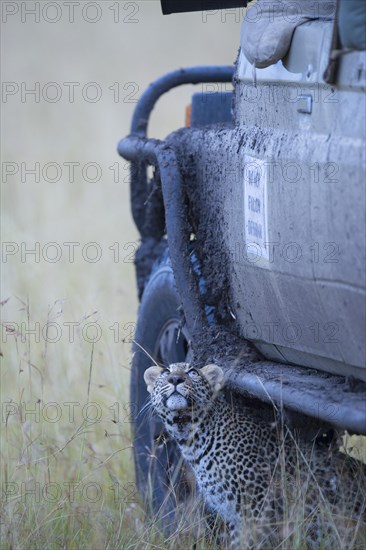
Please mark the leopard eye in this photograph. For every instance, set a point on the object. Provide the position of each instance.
(192, 373)
(165, 372)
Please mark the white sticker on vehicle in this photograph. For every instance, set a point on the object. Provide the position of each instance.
(255, 205)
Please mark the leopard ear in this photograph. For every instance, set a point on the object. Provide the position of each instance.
(150, 376)
(214, 375)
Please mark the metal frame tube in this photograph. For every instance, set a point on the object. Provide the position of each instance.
(188, 75)
(157, 153)
(140, 121)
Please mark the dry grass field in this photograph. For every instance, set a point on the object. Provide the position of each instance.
(69, 308)
(71, 76)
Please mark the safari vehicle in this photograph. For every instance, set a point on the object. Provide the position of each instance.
(253, 226)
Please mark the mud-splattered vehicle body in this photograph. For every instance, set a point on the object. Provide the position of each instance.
(253, 237)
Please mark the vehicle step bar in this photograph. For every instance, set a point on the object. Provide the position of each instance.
(328, 398)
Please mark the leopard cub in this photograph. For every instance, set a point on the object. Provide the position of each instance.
(254, 478)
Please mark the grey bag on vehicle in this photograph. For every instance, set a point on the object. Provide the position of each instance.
(352, 24)
(268, 27)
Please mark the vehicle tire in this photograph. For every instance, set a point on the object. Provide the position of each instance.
(160, 337)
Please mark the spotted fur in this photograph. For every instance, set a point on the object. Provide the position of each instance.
(251, 475)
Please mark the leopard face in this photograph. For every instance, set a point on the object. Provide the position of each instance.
(181, 389)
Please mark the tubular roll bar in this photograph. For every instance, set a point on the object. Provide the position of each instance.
(157, 153)
(189, 75)
(140, 121)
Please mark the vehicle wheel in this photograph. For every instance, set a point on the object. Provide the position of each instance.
(161, 338)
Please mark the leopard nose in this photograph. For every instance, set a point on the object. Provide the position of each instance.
(175, 379)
